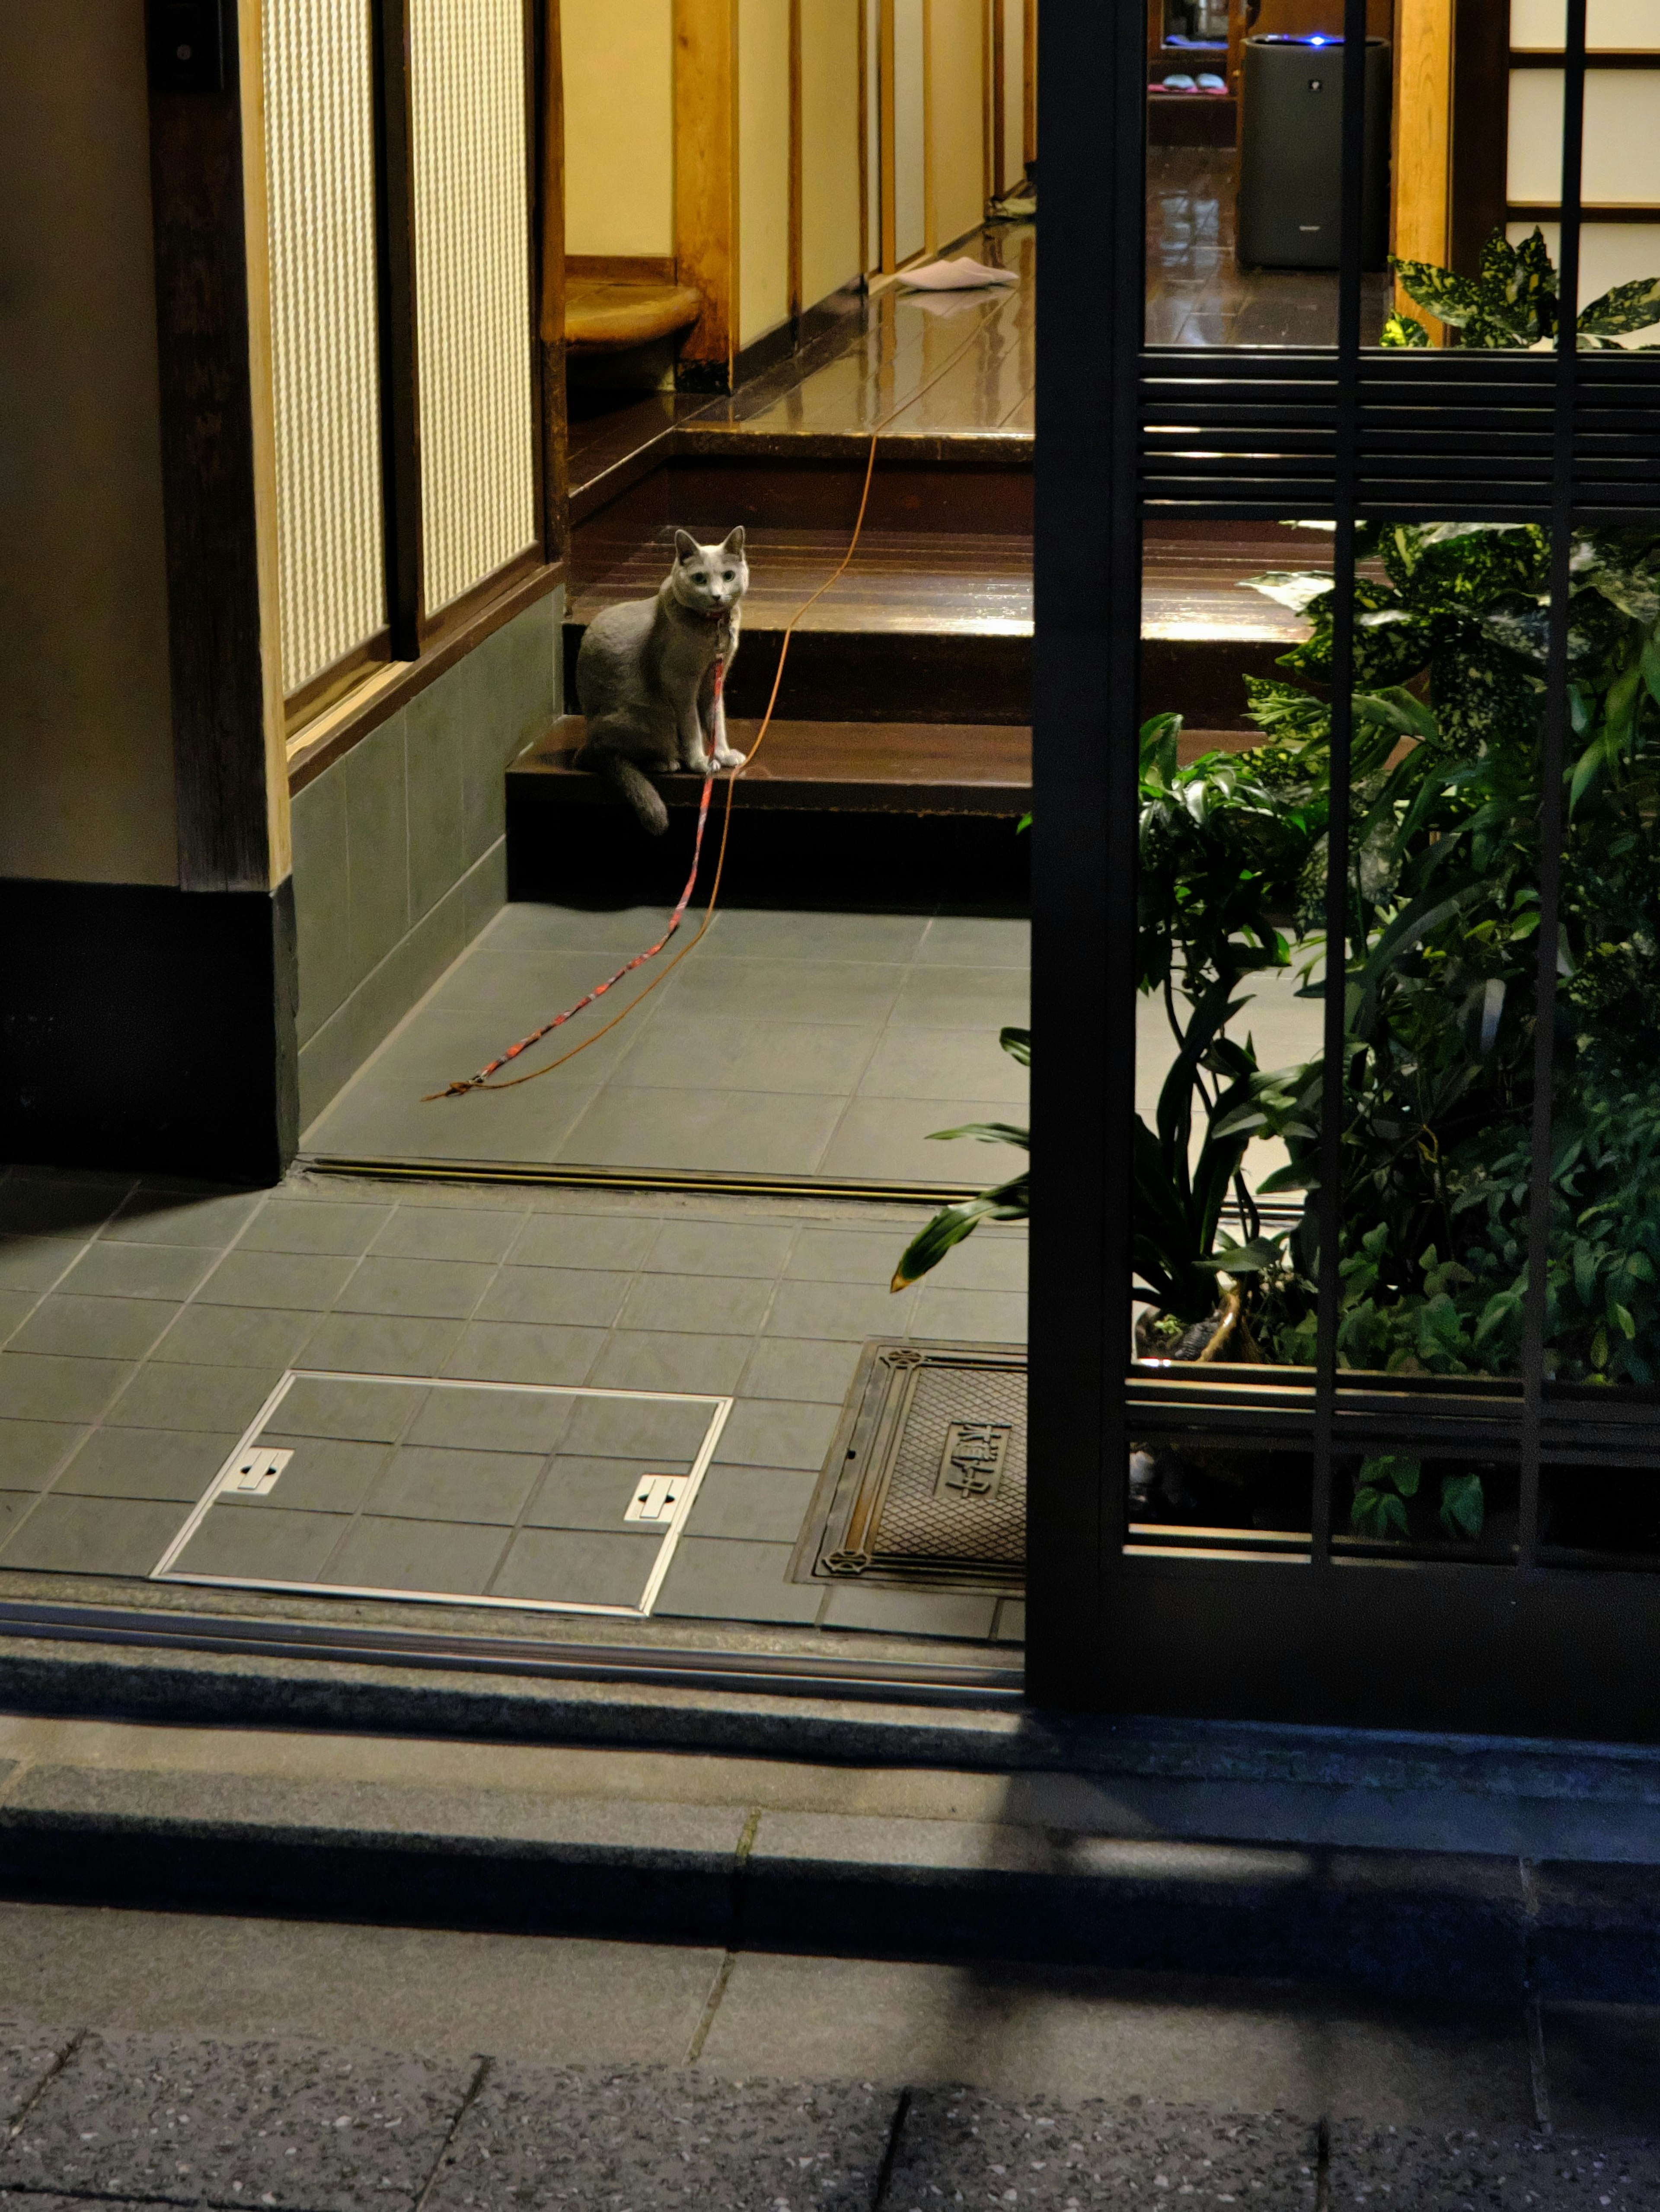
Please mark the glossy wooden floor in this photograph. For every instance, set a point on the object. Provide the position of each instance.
(1198, 296)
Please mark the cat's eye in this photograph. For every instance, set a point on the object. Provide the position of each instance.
(699, 577)
(727, 575)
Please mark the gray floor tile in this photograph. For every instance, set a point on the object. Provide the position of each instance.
(292, 1225)
(156, 1463)
(769, 933)
(605, 1241)
(523, 1352)
(529, 926)
(15, 1307)
(707, 1305)
(153, 1215)
(578, 1566)
(932, 1063)
(851, 1312)
(720, 1248)
(94, 1328)
(31, 1452)
(1011, 1621)
(635, 1428)
(493, 1420)
(673, 2140)
(163, 1397)
(128, 2110)
(767, 1504)
(956, 940)
(299, 1281)
(54, 1205)
(801, 1368)
(34, 1263)
(702, 1051)
(29, 2051)
(506, 994)
(107, 1270)
(898, 1140)
(235, 1336)
(93, 1535)
(42, 1387)
(429, 1482)
(14, 1504)
(443, 1290)
(990, 1260)
(362, 1412)
(959, 2147)
(722, 1578)
(850, 1255)
(591, 1494)
(763, 1132)
(261, 1542)
(587, 1296)
(773, 1432)
(449, 1232)
(950, 998)
(327, 1474)
(416, 1555)
(375, 1121)
(658, 1361)
(382, 1344)
(966, 1615)
(788, 990)
(973, 1317)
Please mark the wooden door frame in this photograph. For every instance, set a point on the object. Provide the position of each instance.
(706, 201)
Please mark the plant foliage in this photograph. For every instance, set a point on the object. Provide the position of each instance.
(1515, 302)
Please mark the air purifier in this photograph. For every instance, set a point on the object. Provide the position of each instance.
(1290, 153)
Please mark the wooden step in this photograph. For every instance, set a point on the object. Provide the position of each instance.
(833, 815)
(861, 768)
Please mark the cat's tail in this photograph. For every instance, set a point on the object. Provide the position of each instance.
(640, 793)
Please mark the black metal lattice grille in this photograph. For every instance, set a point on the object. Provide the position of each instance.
(1440, 436)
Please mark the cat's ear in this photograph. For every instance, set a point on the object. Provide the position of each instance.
(685, 545)
(735, 541)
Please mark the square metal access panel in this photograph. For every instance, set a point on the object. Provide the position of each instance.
(530, 1497)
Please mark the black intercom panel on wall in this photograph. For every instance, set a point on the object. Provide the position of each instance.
(187, 46)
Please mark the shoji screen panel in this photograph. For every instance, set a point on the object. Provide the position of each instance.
(472, 290)
(319, 138)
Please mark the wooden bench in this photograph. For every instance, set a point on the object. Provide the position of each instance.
(605, 315)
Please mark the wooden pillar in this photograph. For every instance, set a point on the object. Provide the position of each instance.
(930, 196)
(706, 184)
(1480, 117)
(548, 153)
(1423, 140)
(1030, 150)
(889, 160)
(797, 158)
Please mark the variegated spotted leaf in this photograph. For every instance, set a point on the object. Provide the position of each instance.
(1627, 308)
(1404, 331)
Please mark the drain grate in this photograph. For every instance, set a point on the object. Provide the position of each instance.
(926, 1483)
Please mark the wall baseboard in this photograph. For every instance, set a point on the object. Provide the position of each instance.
(150, 1028)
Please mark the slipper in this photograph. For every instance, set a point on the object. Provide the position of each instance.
(962, 275)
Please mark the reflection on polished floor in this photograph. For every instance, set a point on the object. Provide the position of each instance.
(1198, 294)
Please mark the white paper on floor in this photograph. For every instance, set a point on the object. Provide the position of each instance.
(962, 275)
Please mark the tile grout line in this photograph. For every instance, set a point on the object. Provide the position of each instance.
(78, 2037)
(481, 2075)
(890, 2153)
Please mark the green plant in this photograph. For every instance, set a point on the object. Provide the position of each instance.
(1006, 1202)
(1514, 301)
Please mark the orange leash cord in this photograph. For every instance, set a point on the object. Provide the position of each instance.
(481, 1081)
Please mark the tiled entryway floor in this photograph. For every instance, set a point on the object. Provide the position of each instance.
(144, 1327)
(788, 1044)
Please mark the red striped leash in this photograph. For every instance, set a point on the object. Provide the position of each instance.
(473, 1082)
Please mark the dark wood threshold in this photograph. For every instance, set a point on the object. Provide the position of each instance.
(478, 617)
(838, 767)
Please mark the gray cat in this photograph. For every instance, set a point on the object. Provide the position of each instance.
(645, 676)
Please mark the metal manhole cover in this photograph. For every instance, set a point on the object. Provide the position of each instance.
(926, 1483)
(533, 1497)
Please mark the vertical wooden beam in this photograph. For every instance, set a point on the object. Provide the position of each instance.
(1030, 150)
(998, 100)
(548, 224)
(889, 164)
(863, 138)
(1423, 132)
(399, 353)
(797, 165)
(218, 460)
(989, 133)
(1481, 128)
(930, 196)
(706, 184)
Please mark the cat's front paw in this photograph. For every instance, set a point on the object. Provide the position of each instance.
(726, 758)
